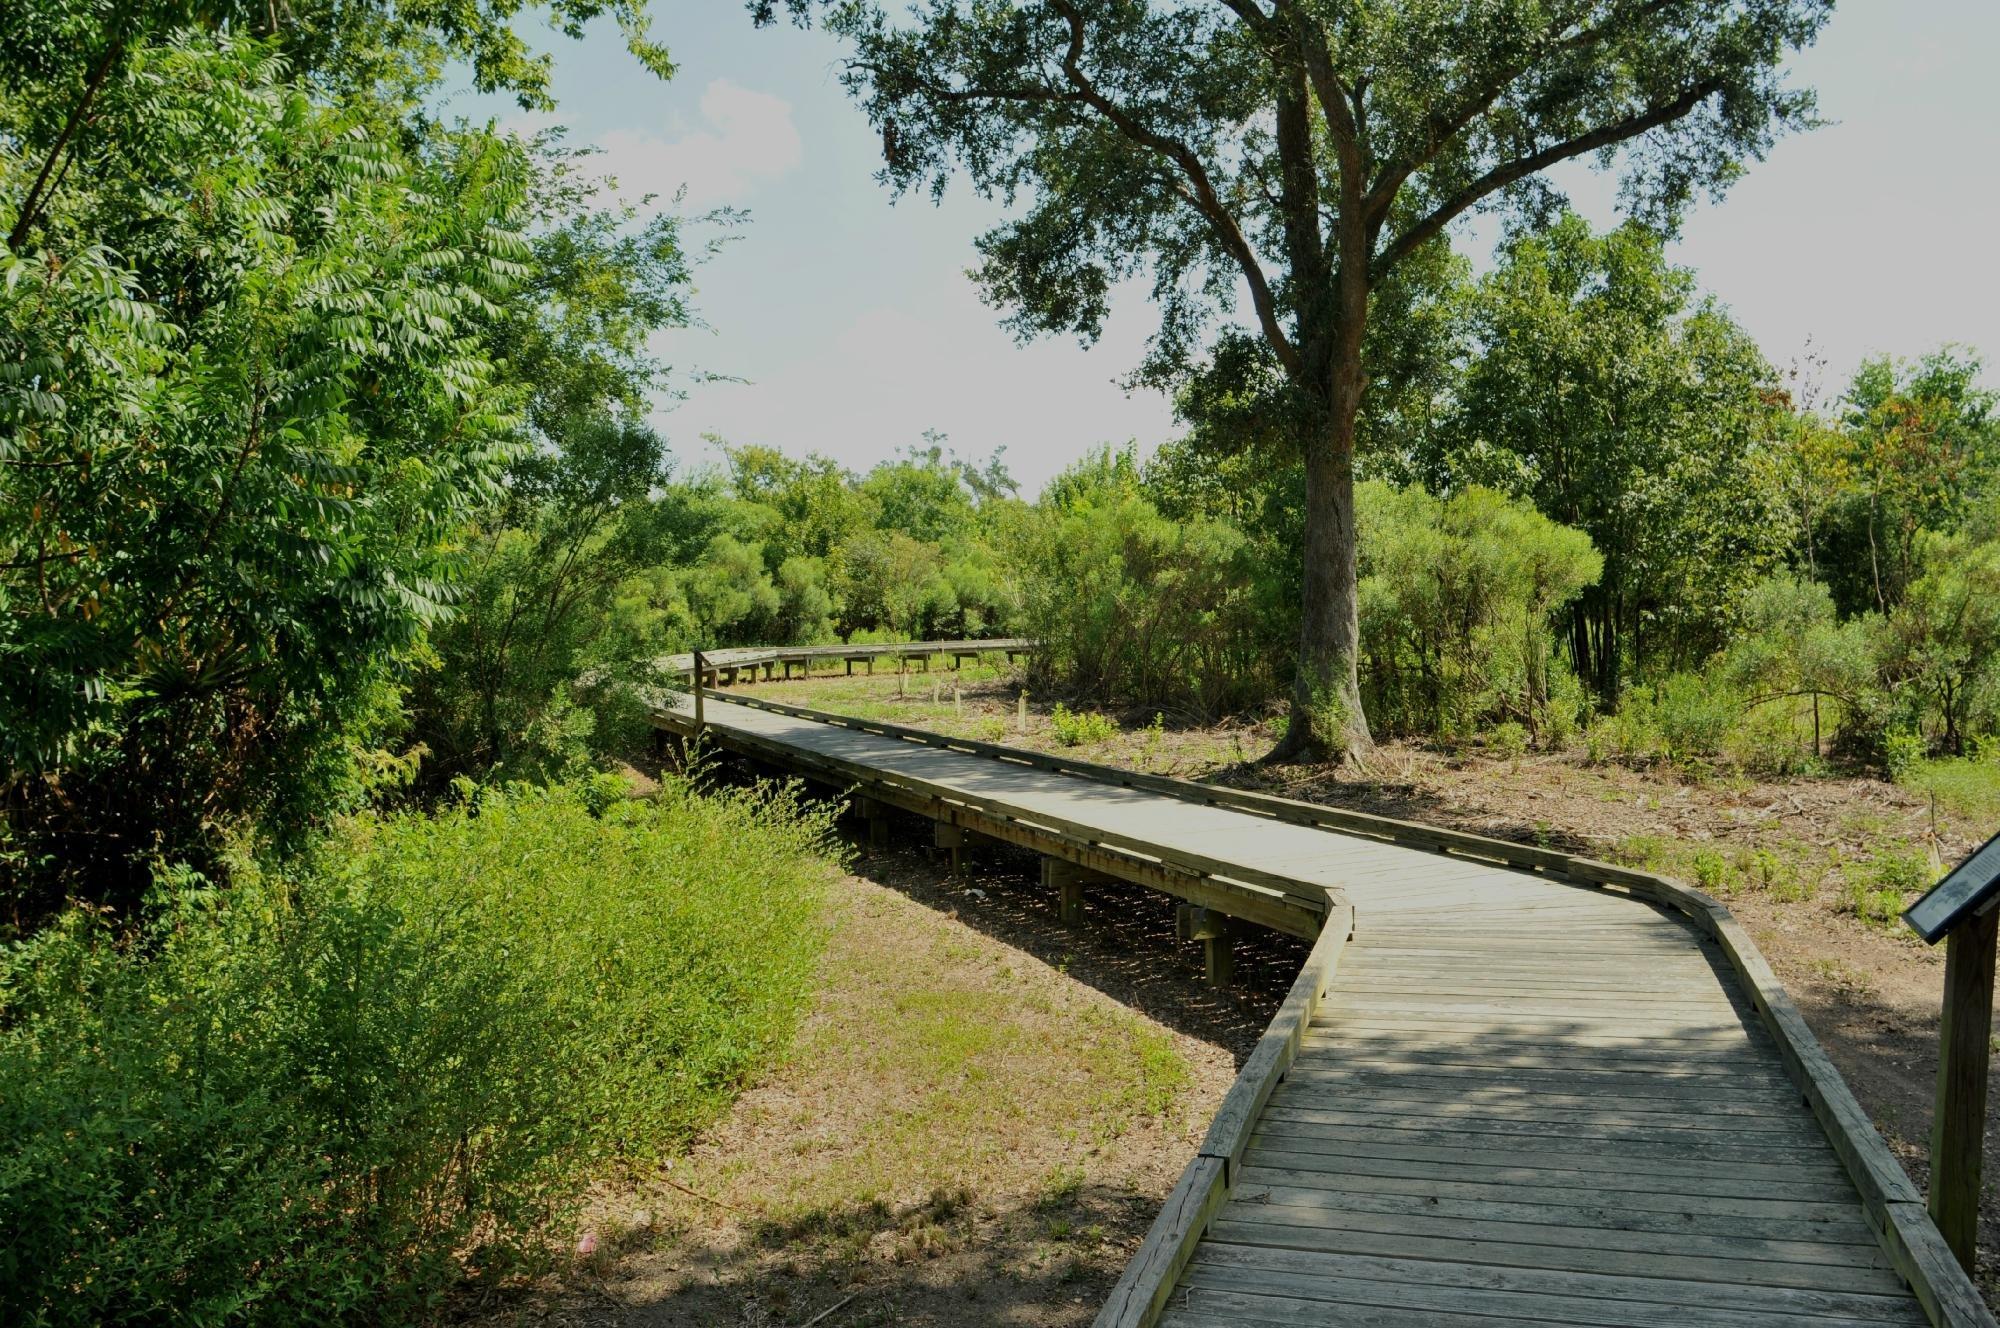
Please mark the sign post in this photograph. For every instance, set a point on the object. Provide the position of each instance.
(1960, 910)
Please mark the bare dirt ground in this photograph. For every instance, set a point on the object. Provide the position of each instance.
(978, 1122)
(1788, 856)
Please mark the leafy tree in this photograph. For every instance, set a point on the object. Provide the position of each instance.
(921, 493)
(731, 595)
(1923, 445)
(1938, 650)
(245, 403)
(805, 601)
(548, 640)
(815, 503)
(1128, 606)
(1307, 152)
(60, 58)
(545, 640)
(1105, 472)
(1606, 393)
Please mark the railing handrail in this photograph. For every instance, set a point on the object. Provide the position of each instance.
(738, 656)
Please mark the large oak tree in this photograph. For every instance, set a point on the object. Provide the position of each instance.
(1297, 154)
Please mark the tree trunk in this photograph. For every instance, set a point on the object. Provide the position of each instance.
(1327, 718)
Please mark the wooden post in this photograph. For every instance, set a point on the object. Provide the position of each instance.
(877, 817)
(698, 666)
(1211, 928)
(1965, 1038)
(1066, 878)
(953, 838)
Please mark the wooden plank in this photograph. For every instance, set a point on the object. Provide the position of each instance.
(1797, 1187)
(1656, 1112)
(1567, 1155)
(1434, 1094)
(1801, 1303)
(1256, 1296)
(1673, 1132)
(1839, 1270)
(1452, 1067)
(1609, 1223)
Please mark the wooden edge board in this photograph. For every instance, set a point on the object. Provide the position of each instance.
(1149, 1277)
(1229, 1131)
(1387, 829)
(1891, 1200)
(1148, 1280)
(1308, 894)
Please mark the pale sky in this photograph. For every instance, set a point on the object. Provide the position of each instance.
(852, 321)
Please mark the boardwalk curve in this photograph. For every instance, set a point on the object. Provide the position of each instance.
(1509, 1085)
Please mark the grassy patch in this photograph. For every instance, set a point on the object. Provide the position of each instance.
(1968, 789)
(1880, 888)
(938, 1061)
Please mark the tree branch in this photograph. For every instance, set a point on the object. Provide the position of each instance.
(1445, 126)
(37, 200)
(1521, 167)
(1201, 191)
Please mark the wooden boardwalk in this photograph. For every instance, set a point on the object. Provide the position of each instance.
(1494, 1097)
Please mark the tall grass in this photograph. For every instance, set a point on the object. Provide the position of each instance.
(329, 1094)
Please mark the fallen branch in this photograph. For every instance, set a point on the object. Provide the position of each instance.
(838, 1304)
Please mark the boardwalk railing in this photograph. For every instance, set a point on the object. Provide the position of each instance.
(1894, 1208)
(744, 661)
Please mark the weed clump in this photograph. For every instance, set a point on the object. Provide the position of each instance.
(1083, 728)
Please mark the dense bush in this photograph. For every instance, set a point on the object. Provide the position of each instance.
(1129, 606)
(1456, 599)
(324, 1094)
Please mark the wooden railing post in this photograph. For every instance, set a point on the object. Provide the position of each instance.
(1965, 1039)
(1963, 911)
(699, 665)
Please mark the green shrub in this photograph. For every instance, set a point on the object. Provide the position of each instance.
(1695, 717)
(326, 1096)
(1711, 870)
(1901, 753)
(1132, 607)
(1878, 889)
(1508, 741)
(1081, 728)
(1456, 599)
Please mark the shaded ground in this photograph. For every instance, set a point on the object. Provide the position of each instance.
(979, 1121)
(1818, 869)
